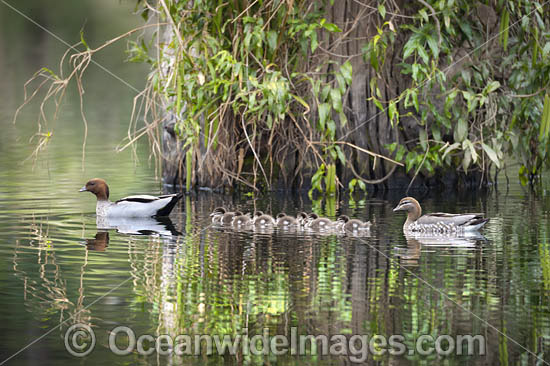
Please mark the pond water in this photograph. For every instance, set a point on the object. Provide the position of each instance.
(57, 269)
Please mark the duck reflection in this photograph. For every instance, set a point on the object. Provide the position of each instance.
(99, 243)
(138, 226)
(452, 241)
(411, 254)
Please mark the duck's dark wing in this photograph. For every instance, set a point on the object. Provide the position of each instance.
(142, 198)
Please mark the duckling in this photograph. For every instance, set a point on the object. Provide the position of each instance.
(263, 220)
(241, 221)
(217, 215)
(317, 223)
(227, 218)
(285, 221)
(302, 218)
(352, 225)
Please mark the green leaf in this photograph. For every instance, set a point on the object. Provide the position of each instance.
(450, 148)
(432, 43)
(466, 160)
(471, 148)
(491, 87)
(324, 110)
(491, 154)
(545, 119)
(461, 130)
(336, 99)
(423, 139)
(272, 40)
(423, 14)
(382, 10)
(331, 27)
(347, 72)
(341, 155)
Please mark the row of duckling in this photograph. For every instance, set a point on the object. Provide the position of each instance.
(303, 220)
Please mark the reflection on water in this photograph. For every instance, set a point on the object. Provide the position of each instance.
(217, 280)
(60, 266)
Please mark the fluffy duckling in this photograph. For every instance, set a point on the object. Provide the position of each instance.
(241, 221)
(227, 218)
(302, 218)
(263, 220)
(217, 215)
(317, 223)
(220, 215)
(285, 221)
(352, 225)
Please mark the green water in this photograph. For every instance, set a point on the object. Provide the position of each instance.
(57, 269)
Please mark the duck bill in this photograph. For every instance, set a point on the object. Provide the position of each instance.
(83, 189)
(397, 208)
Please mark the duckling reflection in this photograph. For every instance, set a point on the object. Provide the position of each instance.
(99, 243)
(139, 225)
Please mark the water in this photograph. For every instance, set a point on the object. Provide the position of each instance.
(57, 269)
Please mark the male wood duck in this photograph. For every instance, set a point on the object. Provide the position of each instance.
(132, 206)
(437, 223)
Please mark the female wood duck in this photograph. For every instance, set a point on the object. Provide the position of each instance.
(437, 223)
(352, 225)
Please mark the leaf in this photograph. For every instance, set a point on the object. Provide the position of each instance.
(382, 10)
(491, 87)
(450, 148)
(347, 72)
(331, 27)
(409, 48)
(272, 40)
(491, 154)
(324, 109)
(545, 119)
(423, 136)
(432, 43)
(341, 155)
(471, 148)
(423, 14)
(467, 160)
(336, 99)
(461, 130)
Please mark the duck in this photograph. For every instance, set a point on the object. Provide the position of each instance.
(263, 220)
(302, 218)
(131, 206)
(439, 222)
(217, 215)
(222, 216)
(352, 225)
(241, 221)
(285, 221)
(317, 223)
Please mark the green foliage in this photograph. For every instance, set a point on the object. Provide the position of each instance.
(245, 65)
(473, 110)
